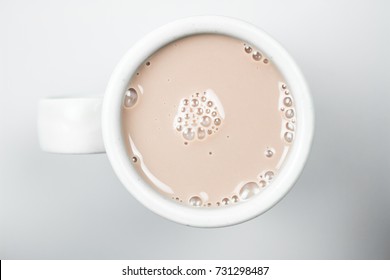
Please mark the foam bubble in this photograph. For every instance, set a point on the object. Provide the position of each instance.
(257, 56)
(195, 201)
(287, 101)
(288, 136)
(248, 49)
(201, 133)
(269, 175)
(225, 201)
(188, 134)
(206, 121)
(290, 126)
(269, 152)
(249, 190)
(131, 97)
(289, 113)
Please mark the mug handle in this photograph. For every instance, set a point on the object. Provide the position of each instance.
(71, 125)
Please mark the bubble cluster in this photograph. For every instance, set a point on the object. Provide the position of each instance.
(198, 116)
(198, 201)
(244, 192)
(131, 97)
(286, 104)
(256, 55)
(250, 189)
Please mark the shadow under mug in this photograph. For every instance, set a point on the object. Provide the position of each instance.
(93, 124)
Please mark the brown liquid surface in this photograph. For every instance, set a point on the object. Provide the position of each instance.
(229, 160)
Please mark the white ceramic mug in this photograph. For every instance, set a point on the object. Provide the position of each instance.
(93, 125)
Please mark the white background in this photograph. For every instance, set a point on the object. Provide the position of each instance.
(73, 207)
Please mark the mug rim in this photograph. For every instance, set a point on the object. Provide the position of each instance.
(114, 140)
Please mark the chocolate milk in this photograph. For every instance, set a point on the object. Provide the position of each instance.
(208, 121)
